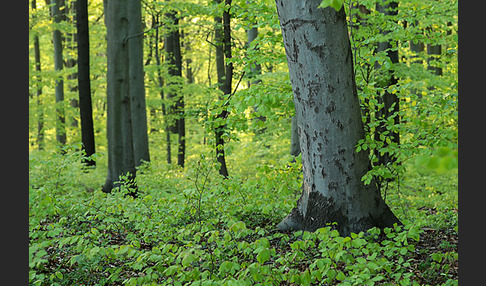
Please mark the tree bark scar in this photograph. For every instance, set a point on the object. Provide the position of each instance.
(330, 88)
(339, 166)
(332, 186)
(323, 173)
(331, 107)
(295, 54)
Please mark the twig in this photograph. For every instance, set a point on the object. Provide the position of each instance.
(234, 91)
(140, 34)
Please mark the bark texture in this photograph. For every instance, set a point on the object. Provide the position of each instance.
(294, 139)
(121, 157)
(329, 123)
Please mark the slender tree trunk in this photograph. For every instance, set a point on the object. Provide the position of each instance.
(138, 109)
(70, 42)
(390, 101)
(434, 51)
(162, 96)
(121, 161)
(416, 48)
(174, 59)
(255, 68)
(58, 66)
(225, 77)
(40, 110)
(84, 82)
(320, 64)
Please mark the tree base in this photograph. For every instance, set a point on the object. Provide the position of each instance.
(323, 212)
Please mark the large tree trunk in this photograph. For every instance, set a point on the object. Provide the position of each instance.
(138, 107)
(84, 82)
(329, 123)
(121, 160)
(58, 66)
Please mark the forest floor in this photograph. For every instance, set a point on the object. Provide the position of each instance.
(193, 228)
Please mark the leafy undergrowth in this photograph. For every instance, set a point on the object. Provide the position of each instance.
(194, 228)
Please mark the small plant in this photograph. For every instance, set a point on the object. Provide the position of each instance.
(194, 196)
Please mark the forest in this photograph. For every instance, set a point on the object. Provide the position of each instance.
(243, 142)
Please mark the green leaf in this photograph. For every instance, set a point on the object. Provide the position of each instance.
(433, 163)
(238, 226)
(336, 4)
(340, 276)
(59, 275)
(263, 256)
(188, 259)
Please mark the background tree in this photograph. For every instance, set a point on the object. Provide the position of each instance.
(224, 69)
(388, 102)
(255, 67)
(136, 82)
(84, 82)
(124, 89)
(160, 84)
(175, 97)
(40, 111)
(327, 108)
(57, 7)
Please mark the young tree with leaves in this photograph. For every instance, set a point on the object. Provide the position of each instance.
(329, 120)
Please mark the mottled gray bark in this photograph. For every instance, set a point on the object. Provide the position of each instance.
(329, 123)
(294, 138)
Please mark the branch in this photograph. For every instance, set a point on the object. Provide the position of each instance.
(140, 34)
